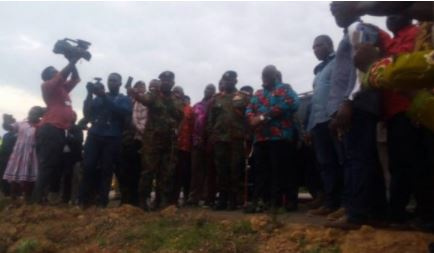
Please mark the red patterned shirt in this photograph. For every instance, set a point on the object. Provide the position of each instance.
(403, 42)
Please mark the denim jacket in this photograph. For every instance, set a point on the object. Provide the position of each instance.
(321, 90)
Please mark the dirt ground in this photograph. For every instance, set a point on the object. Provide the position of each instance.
(25, 228)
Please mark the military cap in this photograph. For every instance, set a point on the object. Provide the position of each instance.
(167, 75)
(230, 75)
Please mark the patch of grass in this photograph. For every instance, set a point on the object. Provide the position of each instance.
(315, 249)
(334, 249)
(130, 236)
(3, 203)
(101, 242)
(179, 235)
(302, 242)
(176, 235)
(243, 227)
(27, 246)
(305, 246)
(322, 249)
(194, 237)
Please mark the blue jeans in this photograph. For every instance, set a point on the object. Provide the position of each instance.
(364, 180)
(328, 154)
(101, 153)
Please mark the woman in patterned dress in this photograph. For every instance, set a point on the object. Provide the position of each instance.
(22, 167)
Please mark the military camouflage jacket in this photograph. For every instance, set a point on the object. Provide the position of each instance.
(225, 120)
(164, 113)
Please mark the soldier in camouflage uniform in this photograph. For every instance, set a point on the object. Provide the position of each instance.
(165, 113)
(226, 126)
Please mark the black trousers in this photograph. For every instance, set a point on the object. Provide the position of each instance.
(199, 172)
(411, 165)
(308, 173)
(50, 142)
(102, 152)
(4, 185)
(61, 182)
(128, 172)
(364, 180)
(274, 173)
(249, 179)
(182, 174)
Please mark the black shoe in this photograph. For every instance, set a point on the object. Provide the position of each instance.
(317, 202)
(422, 225)
(431, 247)
(291, 207)
(231, 206)
(144, 206)
(250, 208)
(400, 217)
(192, 203)
(220, 205)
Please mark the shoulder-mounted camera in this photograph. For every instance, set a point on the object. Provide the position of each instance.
(73, 49)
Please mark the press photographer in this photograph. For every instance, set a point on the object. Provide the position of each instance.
(108, 114)
(50, 136)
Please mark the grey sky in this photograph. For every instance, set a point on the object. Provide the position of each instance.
(196, 40)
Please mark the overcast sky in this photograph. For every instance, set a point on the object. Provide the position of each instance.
(196, 40)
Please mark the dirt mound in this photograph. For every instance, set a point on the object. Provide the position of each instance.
(129, 229)
(305, 238)
(169, 211)
(59, 229)
(368, 239)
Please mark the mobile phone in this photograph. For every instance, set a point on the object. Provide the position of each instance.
(129, 82)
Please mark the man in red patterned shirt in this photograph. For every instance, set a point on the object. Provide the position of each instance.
(270, 114)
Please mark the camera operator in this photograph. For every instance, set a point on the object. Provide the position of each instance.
(50, 136)
(62, 181)
(109, 114)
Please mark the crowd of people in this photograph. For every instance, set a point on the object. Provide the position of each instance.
(238, 148)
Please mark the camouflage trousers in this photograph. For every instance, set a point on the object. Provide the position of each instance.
(158, 163)
(229, 162)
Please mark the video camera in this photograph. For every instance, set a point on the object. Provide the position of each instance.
(70, 51)
(92, 86)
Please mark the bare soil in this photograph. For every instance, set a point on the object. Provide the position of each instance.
(33, 228)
